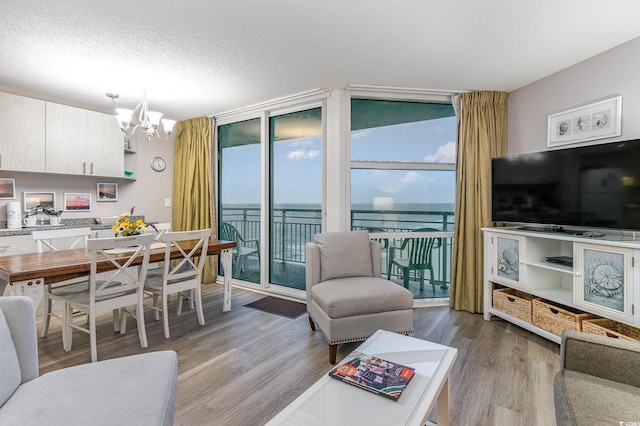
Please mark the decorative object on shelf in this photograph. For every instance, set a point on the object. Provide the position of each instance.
(38, 201)
(149, 121)
(598, 120)
(54, 215)
(7, 188)
(126, 225)
(51, 212)
(157, 164)
(107, 192)
(77, 201)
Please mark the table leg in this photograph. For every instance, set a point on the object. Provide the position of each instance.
(225, 260)
(443, 404)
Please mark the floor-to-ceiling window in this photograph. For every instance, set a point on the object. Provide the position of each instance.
(403, 180)
(288, 168)
(295, 147)
(239, 194)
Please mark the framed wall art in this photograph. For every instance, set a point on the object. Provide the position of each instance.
(107, 192)
(34, 199)
(598, 120)
(77, 201)
(7, 189)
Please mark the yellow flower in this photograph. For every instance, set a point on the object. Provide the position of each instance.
(125, 227)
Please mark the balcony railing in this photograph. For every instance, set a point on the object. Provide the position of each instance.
(291, 228)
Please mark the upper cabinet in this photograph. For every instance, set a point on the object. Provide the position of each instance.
(105, 145)
(22, 139)
(45, 137)
(81, 142)
(66, 130)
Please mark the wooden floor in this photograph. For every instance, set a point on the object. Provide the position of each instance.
(244, 366)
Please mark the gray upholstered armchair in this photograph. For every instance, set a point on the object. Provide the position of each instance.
(598, 382)
(137, 389)
(346, 296)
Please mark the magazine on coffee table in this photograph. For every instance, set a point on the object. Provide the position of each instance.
(376, 375)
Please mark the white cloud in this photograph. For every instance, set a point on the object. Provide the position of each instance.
(446, 154)
(361, 133)
(301, 154)
(410, 177)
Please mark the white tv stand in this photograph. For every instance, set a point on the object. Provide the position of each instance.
(601, 281)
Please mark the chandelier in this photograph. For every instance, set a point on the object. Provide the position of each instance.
(148, 121)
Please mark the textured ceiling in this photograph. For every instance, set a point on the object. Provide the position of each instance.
(201, 57)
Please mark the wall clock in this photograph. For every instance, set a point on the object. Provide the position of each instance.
(158, 164)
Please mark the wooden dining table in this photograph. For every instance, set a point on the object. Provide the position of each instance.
(27, 273)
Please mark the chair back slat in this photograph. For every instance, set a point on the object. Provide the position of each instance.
(188, 266)
(228, 232)
(420, 249)
(120, 252)
(60, 239)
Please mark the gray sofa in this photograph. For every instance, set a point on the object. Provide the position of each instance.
(134, 390)
(598, 382)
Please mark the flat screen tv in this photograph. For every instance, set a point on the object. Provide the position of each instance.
(596, 186)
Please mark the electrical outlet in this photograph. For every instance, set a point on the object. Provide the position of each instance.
(167, 202)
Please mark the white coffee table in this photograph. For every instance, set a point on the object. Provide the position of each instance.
(331, 402)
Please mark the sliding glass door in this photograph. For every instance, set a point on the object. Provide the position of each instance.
(239, 195)
(295, 185)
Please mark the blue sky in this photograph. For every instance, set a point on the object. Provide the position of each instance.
(298, 166)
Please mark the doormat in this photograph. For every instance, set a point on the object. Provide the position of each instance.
(278, 306)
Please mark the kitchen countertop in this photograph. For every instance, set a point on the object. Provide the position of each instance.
(66, 223)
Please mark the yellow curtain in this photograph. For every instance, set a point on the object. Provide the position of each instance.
(482, 135)
(192, 183)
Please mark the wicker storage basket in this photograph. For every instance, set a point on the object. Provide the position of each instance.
(513, 302)
(554, 318)
(611, 328)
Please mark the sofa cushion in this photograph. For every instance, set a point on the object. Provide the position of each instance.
(344, 254)
(9, 366)
(133, 390)
(590, 400)
(346, 297)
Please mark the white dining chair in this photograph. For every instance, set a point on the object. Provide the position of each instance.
(182, 275)
(122, 286)
(54, 240)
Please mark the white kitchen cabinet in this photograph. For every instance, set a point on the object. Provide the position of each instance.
(17, 244)
(22, 134)
(104, 145)
(66, 130)
(82, 142)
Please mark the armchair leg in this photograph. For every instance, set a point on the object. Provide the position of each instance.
(312, 324)
(333, 351)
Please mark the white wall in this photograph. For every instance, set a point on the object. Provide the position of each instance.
(614, 72)
(147, 193)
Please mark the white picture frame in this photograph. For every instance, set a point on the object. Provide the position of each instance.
(598, 120)
(77, 202)
(41, 198)
(107, 192)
